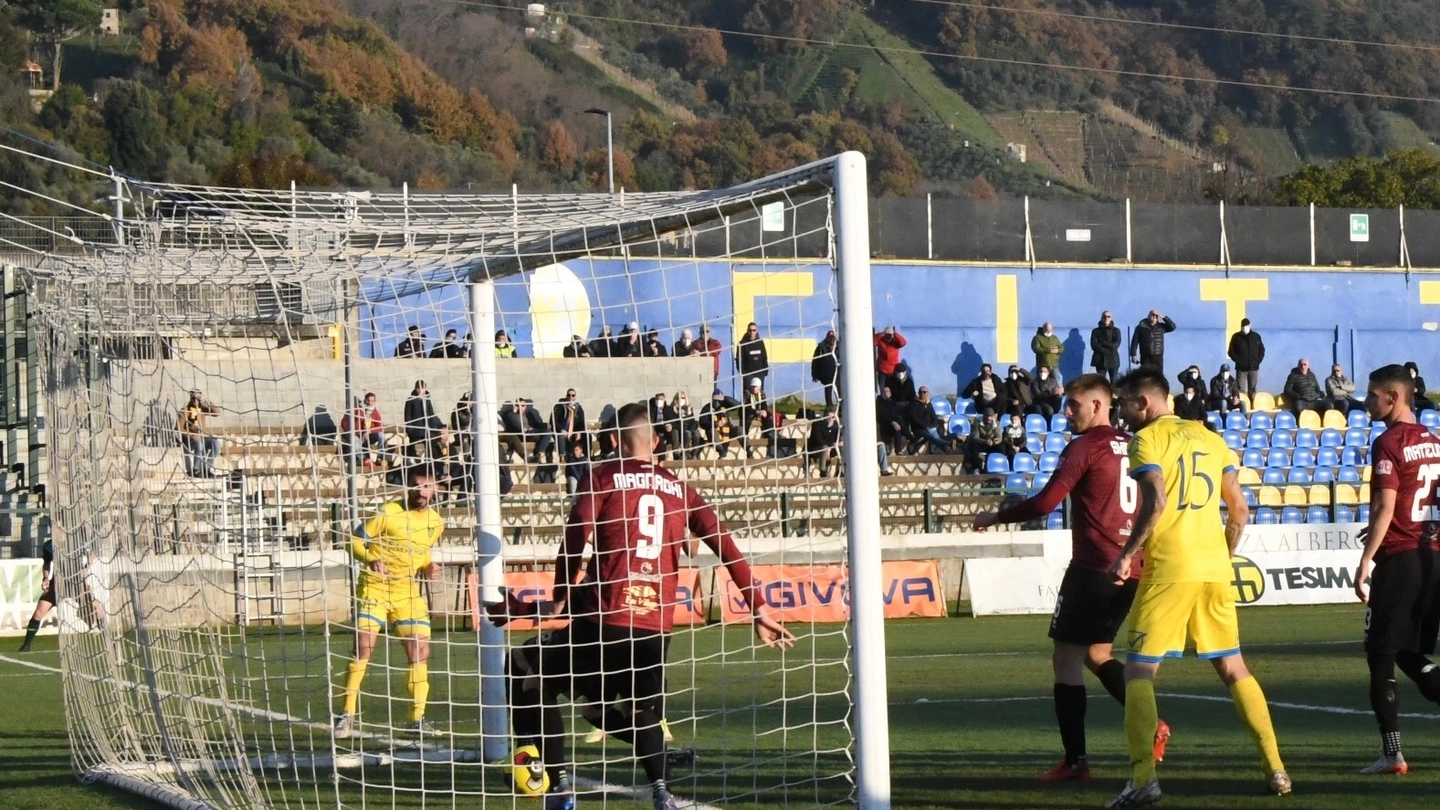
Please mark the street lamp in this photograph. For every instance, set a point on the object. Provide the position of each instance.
(609, 144)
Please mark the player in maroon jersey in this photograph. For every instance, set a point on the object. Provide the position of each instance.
(1402, 613)
(635, 515)
(1094, 474)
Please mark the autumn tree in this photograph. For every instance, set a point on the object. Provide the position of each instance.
(557, 147)
(53, 22)
(783, 22)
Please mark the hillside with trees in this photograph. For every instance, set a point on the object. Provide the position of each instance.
(1175, 100)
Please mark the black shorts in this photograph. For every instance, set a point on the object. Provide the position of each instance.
(49, 594)
(597, 662)
(1090, 608)
(1404, 610)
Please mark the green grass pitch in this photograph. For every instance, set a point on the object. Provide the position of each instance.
(971, 723)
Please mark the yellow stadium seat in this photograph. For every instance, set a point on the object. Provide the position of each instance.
(1282, 402)
(1269, 496)
(1320, 495)
(1263, 402)
(1364, 493)
(1249, 477)
(1309, 420)
(1345, 494)
(1294, 495)
(1334, 419)
(1365, 474)
(1245, 398)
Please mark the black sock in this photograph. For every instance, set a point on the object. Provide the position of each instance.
(533, 721)
(1070, 712)
(1384, 700)
(642, 732)
(30, 630)
(1112, 677)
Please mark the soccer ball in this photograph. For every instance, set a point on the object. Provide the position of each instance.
(527, 772)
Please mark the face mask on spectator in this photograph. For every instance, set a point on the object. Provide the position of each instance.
(1245, 329)
(1044, 373)
(1225, 375)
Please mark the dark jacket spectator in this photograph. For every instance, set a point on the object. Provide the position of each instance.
(629, 344)
(822, 445)
(1013, 436)
(1046, 393)
(718, 421)
(901, 385)
(1303, 389)
(653, 347)
(567, 422)
(685, 346)
(1225, 392)
(891, 423)
(665, 423)
(825, 366)
(757, 408)
(1105, 347)
(413, 345)
(887, 351)
(1421, 402)
(1190, 404)
(520, 419)
(689, 424)
(751, 359)
(422, 426)
(603, 344)
(925, 426)
(1047, 347)
(706, 344)
(987, 390)
(577, 348)
(1247, 348)
(1018, 396)
(450, 347)
(986, 438)
(1147, 343)
(1192, 377)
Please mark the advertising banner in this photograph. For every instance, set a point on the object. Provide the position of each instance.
(534, 586)
(19, 591)
(821, 593)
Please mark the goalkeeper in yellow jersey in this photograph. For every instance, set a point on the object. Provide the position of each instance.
(393, 549)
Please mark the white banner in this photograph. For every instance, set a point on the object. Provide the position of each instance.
(19, 591)
(1013, 585)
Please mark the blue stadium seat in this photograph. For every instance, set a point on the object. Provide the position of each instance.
(1284, 420)
(1055, 442)
(1257, 438)
(1215, 421)
(1327, 457)
(1362, 515)
(1348, 475)
(1265, 516)
(1302, 458)
(965, 405)
(1330, 437)
(1234, 439)
(1059, 424)
(1024, 462)
(1317, 514)
(1034, 444)
(997, 463)
(1358, 419)
(1305, 437)
(1376, 429)
(1253, 457)
(1344, 514)
(1281, 438)
(1277, 458)
(1299, 475)
(1040, 480)
(959, 425)
(1049, 462)
(1055, 521)
(942, 409)
(1261, 421)
(1251, 498)
(1430, 418)
(1236, 420)
(1017, 482)
(1352, 456)
(1035, 423)
(1273, 475)
(1355, 437)
(1324, 475)
(1291, 515)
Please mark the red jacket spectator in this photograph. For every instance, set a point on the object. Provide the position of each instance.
(887, 350)
(708, 345)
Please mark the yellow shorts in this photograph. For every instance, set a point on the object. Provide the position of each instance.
(1165, 613)
(402, 608)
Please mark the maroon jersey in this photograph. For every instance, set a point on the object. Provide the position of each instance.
(1406, 458)
(1095, 472)
(638, 514)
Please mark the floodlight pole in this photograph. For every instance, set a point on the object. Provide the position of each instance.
(609, 143)
(867, 609)
(494, 719)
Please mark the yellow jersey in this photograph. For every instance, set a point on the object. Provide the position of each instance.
(1188, 543)
(401, 539)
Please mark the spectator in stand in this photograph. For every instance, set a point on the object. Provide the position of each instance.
(757, 408)
(891, 423)
(577, 348)
(1147, 343)
(664, 422)
(652, 346)
(577, 467)
(450, 347)
(200, 447)
(1192, 377)
(825, 367)
(1047, 347)
(925, 426)
(1190, 404)
(1247, 350)
(629, 344)
(604, 343)
(1225, 392)
(1422, 402)
(608, 436)
(751, 359)
(1105, 348)
(1303, 390)
(1046, 392)
(364, 432)
(987, 390)
(901, 385)
(522, 421)
(413, 345)
(1340, 390)
(1013, 437)
(985, 439)
(1018, 396)
(567, 422)
(709, 346)
(822, 445)
(503, 346)
(462, 420)
(717, 420)
(685, 346)
(423, 428)
(887, 353)
(688, 424)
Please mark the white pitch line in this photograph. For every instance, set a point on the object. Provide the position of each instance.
(1304, 707)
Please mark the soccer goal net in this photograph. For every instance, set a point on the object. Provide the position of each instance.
(238, 382)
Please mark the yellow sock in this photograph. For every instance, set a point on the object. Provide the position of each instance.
(354, 674)
(418, 681)
(1141, 714)
(1255, 714)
